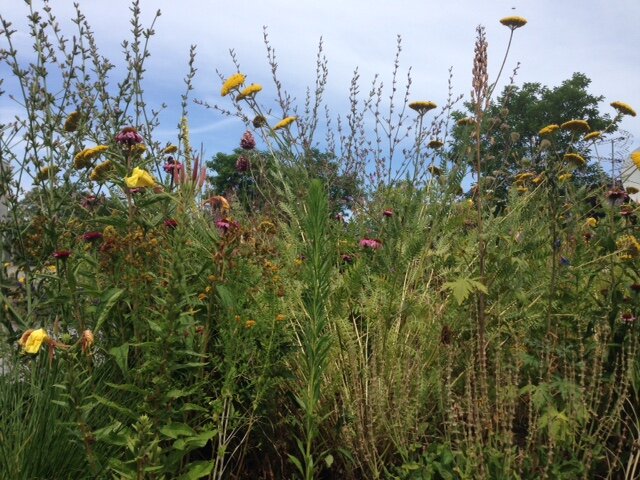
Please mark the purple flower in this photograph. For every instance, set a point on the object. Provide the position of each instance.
(129, 136)
(91, 236)
(170, 223)
(242, 164)
(172, 166)
(248, 142)
(371, 243)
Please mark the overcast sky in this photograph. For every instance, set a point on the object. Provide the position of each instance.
(595, 37)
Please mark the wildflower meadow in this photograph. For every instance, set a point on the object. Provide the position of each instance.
(413, 290)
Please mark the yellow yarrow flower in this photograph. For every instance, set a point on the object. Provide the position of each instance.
(422, 107)
(591, 222)
(624, 108)
(565, 177)
(513, 22)
(139, 178)
(71, 123)
(32, 340)
(635, 158)
(435, 144)
(592, 136)
(576, 126)
(575, 159)
(466, 122)
(629, 247)
(170, 149)
(549, 129)
(232, 83)
(284, 123)
(83, 158)
(250, 324)
(250, 91)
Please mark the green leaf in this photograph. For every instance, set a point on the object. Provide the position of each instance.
(175, 430)
(463, 287)
(198, 470)
(108, 301)
(121, 355)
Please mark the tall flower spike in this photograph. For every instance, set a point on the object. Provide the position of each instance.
(480, 76)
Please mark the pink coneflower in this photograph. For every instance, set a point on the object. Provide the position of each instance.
(628, 318)
(129, 136)
(248, 142)
(225, 225)
(91, 236)
(172, 166)
(61, 254)
(347, 259)
(242, 164)
(388, 213)
(90, 201)
(170, 223)
(371, 243)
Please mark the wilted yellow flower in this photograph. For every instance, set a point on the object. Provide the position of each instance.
(565, 177)
(71, 123)
(280, 317)
(100, 171)
(624, 108)
(83, 158)
(218, 202)
(202, 297)
(249, 91)
(591, 222)
(524, 176)
(538, 180)
(632, 190)
(170, 149)
(592, 136)
(284, 123)
(513, 22)
(435, 144)
(422, 107)
(250, 324)
(576, 126)
(32, 340)
(549, 129)
(522, 189)
(87, 340)
(233, 82)
(574, 158)
(466, 122)
(629, 247)
(635, 158)
(435, 171)
(139, 178)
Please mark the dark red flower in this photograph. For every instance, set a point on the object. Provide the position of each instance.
(242, 164)
(617, 196)
(129, 136)
(628, 317)
(248, 142)
(388, 213)
(170, 223)
(61, 254)
(91, 236)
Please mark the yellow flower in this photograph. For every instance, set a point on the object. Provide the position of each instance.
(139, 178)
(435, 144)
(629, 247)
(524, 176)
(513, 22)
(632, 190)
(576, 126)
(574, 158)
(522, 189)
(250, 91)
(435, 171)
(635, 158)
(284, 123)
(422, 107)
(32, 340)
(250, 324)
(538, 179)
(138, 149)
(624, 108)
(592, 136)
(549, 129)
(170, 149)
(84, 157)
(591, 222)
(232, 83)
(100, 171)
(466, 122)
(280, 317)
(71, 124)
(565, 177)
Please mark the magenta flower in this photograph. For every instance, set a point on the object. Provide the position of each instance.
(91, 236)
(170, 223)
(371, 243)
(225, 225)
(172, 166)
(388, 213)
(628, 318)
(61, 254)
(129, 136)
(248, 142)
(242, 164)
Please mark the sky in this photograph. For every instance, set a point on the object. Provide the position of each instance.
(598, 38)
